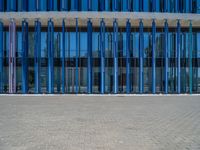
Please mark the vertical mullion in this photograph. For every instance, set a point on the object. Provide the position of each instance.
(140, 5)
(77, 55)
(141, 55)
(63, 56)
(128, 5)
(190, 51)
(153, 57)
(89, 55)
(50, 5)
(178, 58)
(50, 57)
(24, 56)
(76, 5)
(12, 57)
(102, 5)
(165, 5)
(89, 5)
(2, 5)
(102, 48)
(37, 56)
(58, 68)
(1, 57)
(153, 5)
(166, 56)
(128, 36)
(24, 5)
(115, 51)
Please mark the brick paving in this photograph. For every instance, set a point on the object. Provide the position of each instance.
(100, 123)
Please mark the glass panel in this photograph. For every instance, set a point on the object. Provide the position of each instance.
(96, 69)
(136, 5)
(84, 5)
(83, 62)
(43, 5)
(108, 5)
(198, 6)
(135, 63)
(95, 5)
(31, 5)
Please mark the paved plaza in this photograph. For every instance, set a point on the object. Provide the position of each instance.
(99, 122)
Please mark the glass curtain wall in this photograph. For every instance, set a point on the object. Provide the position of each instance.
(173, 6)
(76, 48)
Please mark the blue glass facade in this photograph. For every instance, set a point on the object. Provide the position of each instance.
(173, 6)
(100, 59)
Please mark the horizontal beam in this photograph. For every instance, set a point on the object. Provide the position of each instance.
(96, 17)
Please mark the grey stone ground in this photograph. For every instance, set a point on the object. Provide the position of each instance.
(100, 123)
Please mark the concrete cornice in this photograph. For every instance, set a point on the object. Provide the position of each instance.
(97, 16)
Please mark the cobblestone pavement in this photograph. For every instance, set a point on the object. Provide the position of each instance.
(100, 123)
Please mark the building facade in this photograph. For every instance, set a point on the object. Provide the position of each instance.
(100, 46)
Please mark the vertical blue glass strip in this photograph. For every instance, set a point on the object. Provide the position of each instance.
(1, 5)
(198, 7)
(43, 5)
(37, 56)
(13, 5)
(63, 56)
(58, 48)
(141, 5)
(102, 5)
(76, 5)
(115, 52)
(77, 55)
(153, 5)
(102, 49)
(136, 5)
(165, 5)
(1, 57)
(8, 6)
(128, 44)
(177, 6)
(153, 57)
(89, 55)
(146, 6)
(141, 55)
(89, 5)
(50, 47)
(178, 58)
(12, 56)
(166, 56)
(115, 5)
(63, 5)
(31, 5)
(24, 57)
(24, 5)
(190, 57)
(129, 5)
(50, 5)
